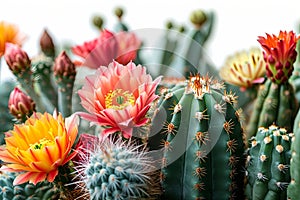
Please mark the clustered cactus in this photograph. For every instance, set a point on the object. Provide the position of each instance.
(196, 144)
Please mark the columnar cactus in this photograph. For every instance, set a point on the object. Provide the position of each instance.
(26, 191)
(202, 140)
(294, 186)
(276, 101)
(119, 169)
(268, 164)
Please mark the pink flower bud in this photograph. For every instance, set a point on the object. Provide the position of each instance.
(63, 66)
(16, 59)
(20, 105)
(46, 44)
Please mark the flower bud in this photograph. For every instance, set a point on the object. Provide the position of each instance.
(20, 105)
(16, 59)
(47, 45)
(63, 66)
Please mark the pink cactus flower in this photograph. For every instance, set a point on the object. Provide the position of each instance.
(118, 97)
(121, 47)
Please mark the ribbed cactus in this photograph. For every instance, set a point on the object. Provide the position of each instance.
(120, 170)
(276, 101)
(294, 186)
(26, 191)
(202, 141)
(268, 164)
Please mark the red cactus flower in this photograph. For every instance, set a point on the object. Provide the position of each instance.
(279, 54)
(119, 97)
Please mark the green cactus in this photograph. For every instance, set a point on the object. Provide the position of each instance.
(43, 76)
(275, 103)
(202, 139)
(268, 164)
(6, 119)
(26, 191)
(197, 39)
(120, 26)
(294, 187)
(119, 170)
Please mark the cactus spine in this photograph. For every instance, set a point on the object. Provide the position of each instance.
(203, 146)
(268, 164)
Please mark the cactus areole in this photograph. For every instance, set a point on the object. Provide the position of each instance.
(202, 141)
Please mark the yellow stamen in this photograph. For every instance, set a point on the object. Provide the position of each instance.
(41, 144)
(119, 99)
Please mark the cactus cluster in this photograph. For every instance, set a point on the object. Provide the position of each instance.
(26, 191)
(202, 141)
(268, 164)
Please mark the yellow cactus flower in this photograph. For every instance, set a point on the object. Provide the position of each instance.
(244, 68)
(9, 33)
(39, 146)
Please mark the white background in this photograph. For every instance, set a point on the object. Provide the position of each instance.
(238, 22)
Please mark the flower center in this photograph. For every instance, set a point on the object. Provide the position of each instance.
(119, 99)
(41, 144)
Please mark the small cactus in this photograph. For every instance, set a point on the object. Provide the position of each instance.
(26, 191)
(268, 164)
(202, 141)
(119, 169)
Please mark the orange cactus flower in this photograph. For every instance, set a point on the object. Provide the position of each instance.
(39, 146)
(244, 68)
(10, 33)
(279, 54)
(119, 97)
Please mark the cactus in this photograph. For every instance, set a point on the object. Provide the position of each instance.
(268, 164)
(119, 170)
(202, 139)
(6, 119)
(294, 187)
(276, 101)
(26, 191)
(120, 26)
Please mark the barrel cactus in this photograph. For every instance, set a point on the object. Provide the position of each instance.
(202, 141)
(25, 191)
(118, 169)
(276, 101)
(268, 164)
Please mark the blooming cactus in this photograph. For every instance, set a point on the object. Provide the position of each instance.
(121, 47)
(119, 97)
(39, 147)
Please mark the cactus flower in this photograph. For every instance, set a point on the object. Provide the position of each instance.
(118, 97)
(279, 54)
(121, 47)
(20, 105)
(244, 69)
(9, 33)
(16, 59)
(39, 147)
